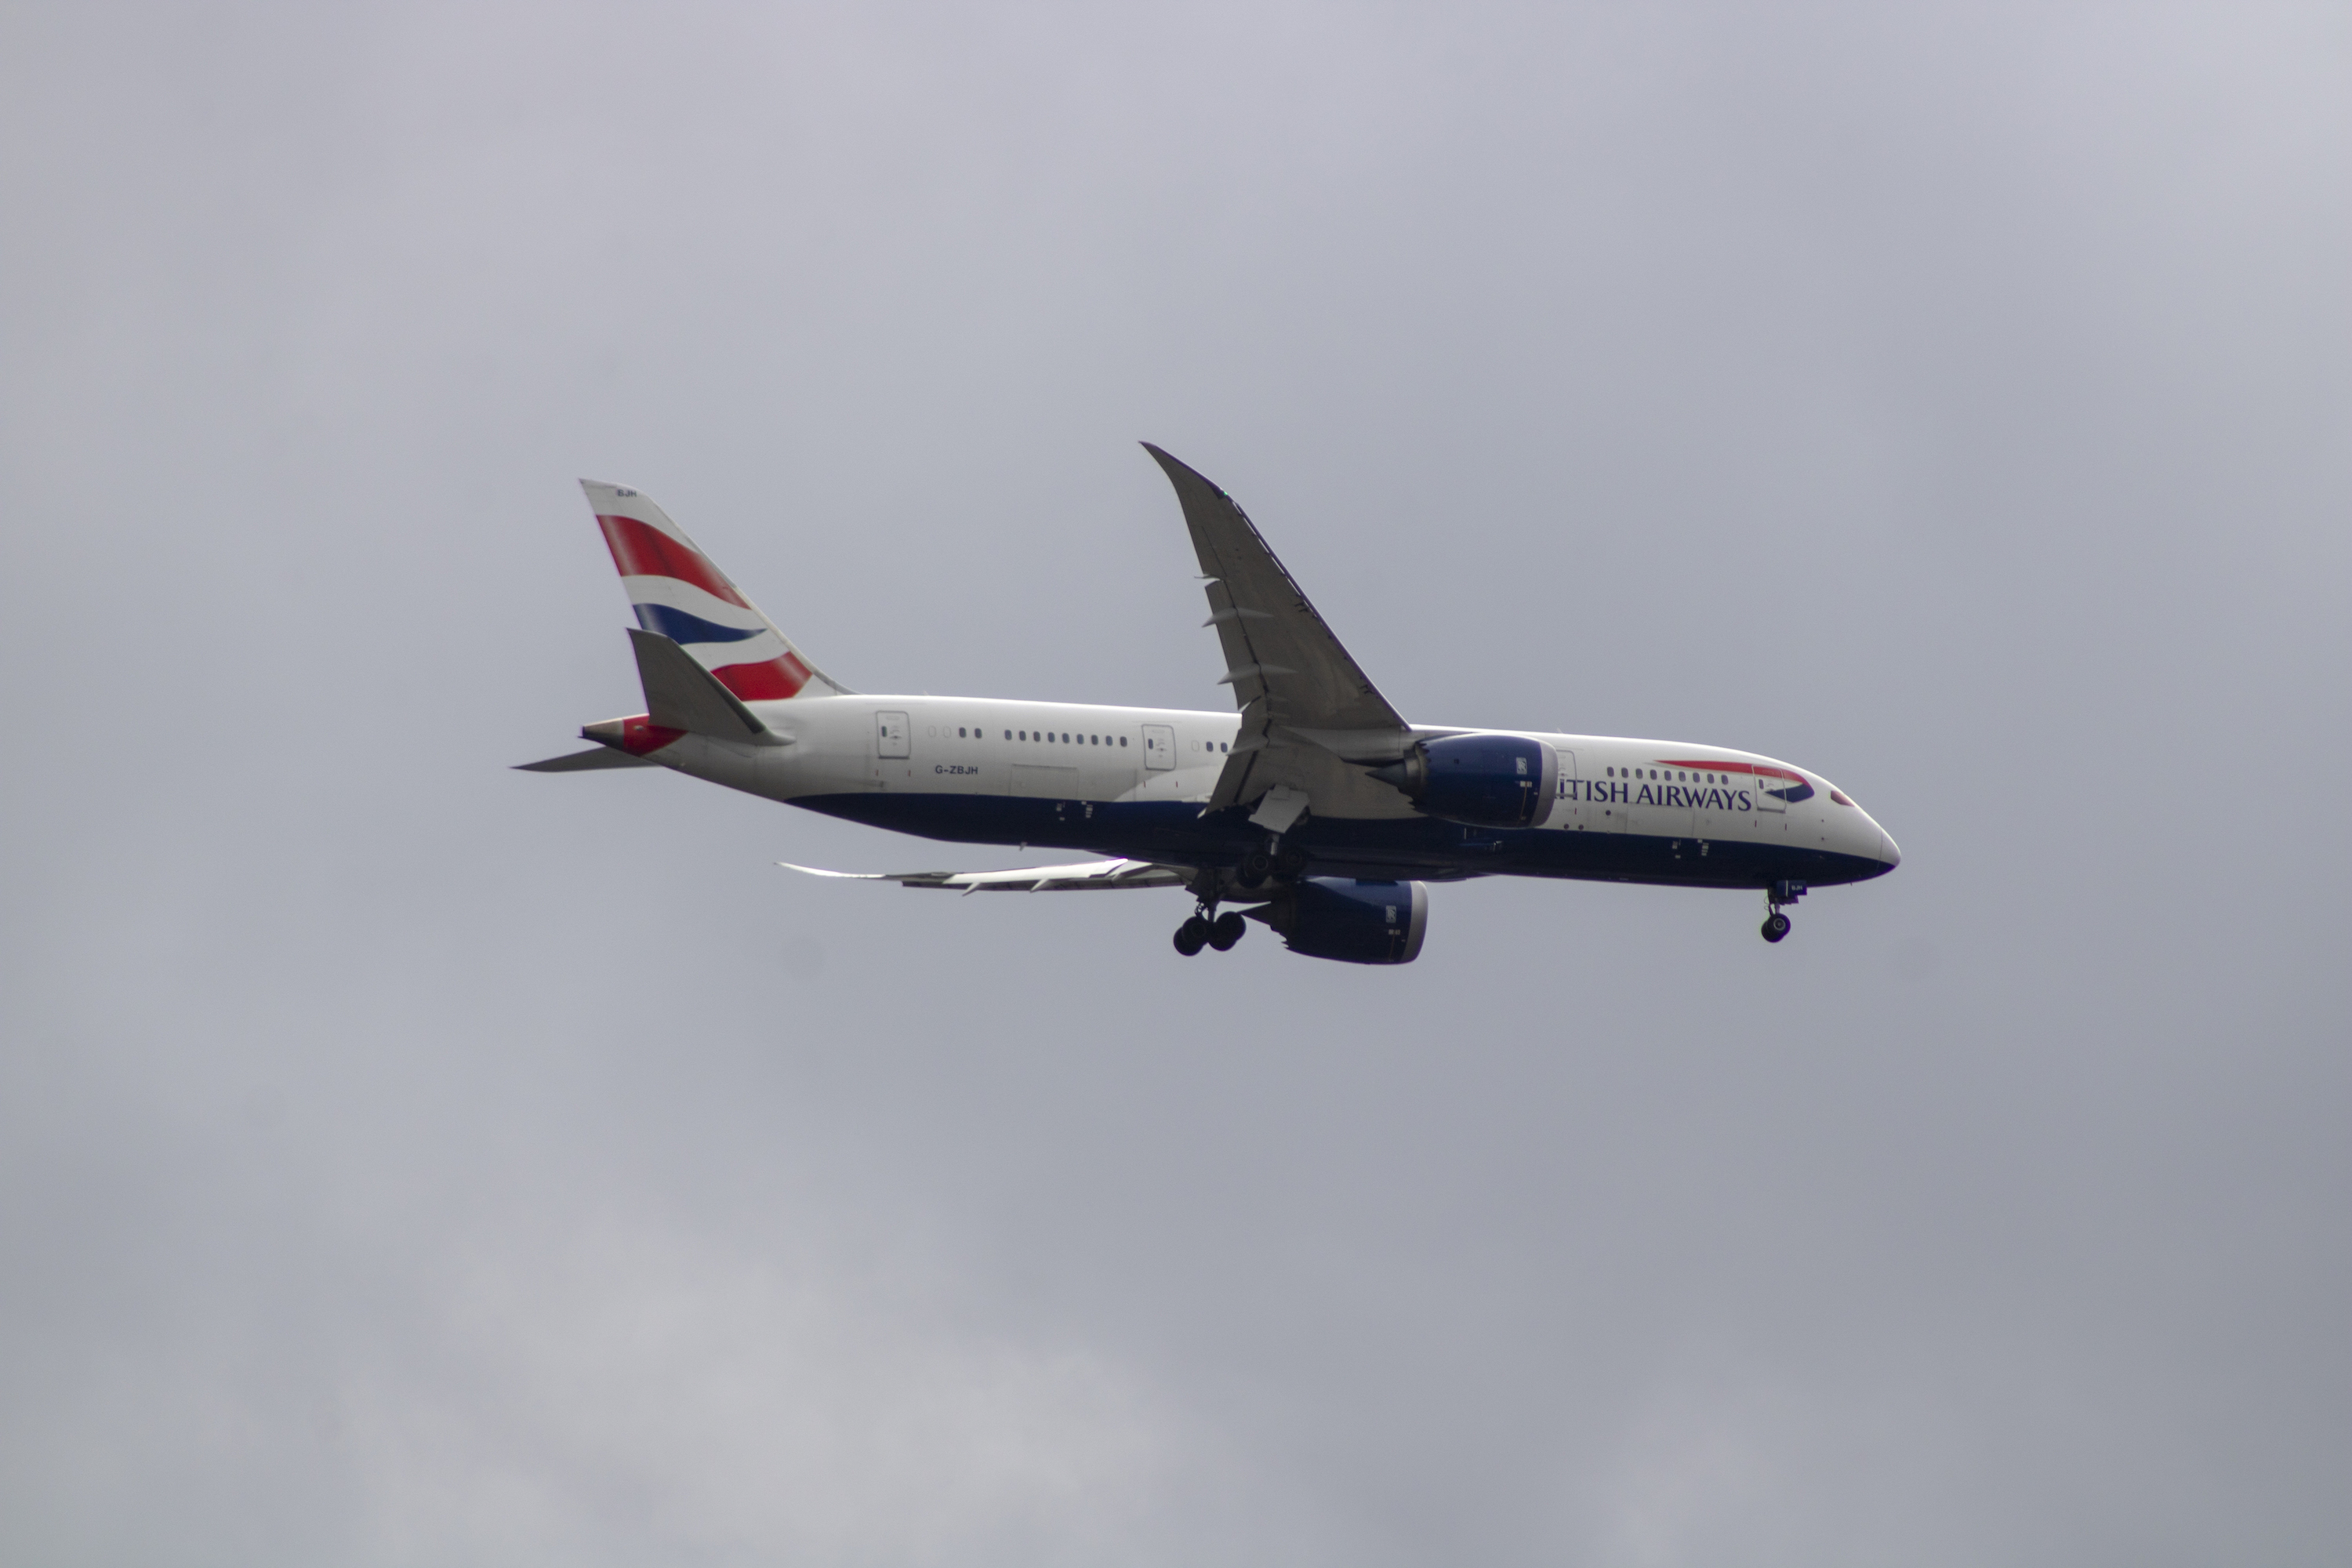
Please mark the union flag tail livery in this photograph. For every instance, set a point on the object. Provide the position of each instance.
(679, 593)
(1315, 809)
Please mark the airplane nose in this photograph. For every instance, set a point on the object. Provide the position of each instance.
(1887, 851)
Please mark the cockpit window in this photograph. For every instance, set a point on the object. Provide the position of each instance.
(1839, 796)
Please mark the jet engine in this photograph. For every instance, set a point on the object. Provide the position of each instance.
(1352, 921)
(1493, 780)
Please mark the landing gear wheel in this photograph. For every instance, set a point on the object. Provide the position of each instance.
(1776, 926)
(1255, 866)
(1291, 861)
(1226, 929)
(1192, 936)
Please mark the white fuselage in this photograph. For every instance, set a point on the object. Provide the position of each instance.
(1085, 756)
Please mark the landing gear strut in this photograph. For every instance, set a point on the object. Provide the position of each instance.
(1776, 924)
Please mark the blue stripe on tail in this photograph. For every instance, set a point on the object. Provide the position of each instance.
(681, 627)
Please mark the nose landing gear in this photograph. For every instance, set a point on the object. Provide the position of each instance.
(1776, 924)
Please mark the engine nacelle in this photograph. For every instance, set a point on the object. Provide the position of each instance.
(1493, 780)
(1352, 921)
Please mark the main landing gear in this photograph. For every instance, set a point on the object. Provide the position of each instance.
(1200, 931)
(1273, 859)
(1776, 924)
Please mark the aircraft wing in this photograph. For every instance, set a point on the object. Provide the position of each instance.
(1307, 707)
(1085, 877)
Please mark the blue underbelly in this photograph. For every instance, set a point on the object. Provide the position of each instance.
(1419, 846)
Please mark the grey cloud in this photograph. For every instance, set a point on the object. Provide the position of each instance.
(402, 1159)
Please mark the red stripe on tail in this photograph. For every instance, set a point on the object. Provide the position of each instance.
(641, 549)
(770, 680)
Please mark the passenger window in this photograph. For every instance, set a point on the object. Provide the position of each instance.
(1221, 745)
(1122, 740)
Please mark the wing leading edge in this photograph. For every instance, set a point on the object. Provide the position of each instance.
(1087, 876)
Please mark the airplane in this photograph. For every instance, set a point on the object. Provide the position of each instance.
(1315, 808)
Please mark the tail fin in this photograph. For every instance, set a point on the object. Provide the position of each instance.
(680, 593)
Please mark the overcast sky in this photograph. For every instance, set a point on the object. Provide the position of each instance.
(404, 1160)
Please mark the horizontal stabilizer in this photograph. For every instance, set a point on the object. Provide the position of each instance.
(595, 757)
(682, 695)
(1085, 877)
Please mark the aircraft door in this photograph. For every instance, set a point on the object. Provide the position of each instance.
(1764, 800)
(893, 736)
(1568, 812)
(1159, 746)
